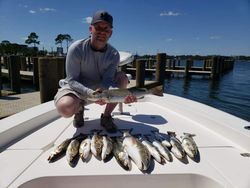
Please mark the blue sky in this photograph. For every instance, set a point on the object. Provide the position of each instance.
(197, 27)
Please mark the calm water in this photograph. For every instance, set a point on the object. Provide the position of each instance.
(230, 94)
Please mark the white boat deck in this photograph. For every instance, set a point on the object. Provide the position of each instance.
(27, 138)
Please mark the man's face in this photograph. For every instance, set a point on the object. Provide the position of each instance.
(101, 32)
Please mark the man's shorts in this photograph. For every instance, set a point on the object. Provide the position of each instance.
(66, 90)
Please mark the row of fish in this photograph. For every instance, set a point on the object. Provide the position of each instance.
(138, 148)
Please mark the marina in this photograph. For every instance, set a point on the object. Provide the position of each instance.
(212, 68)
(17, 68)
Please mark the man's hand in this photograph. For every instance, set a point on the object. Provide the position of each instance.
(100, 101)
(130, 99)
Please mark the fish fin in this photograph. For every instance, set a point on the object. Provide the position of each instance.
(189, 134)
(171, 133)
(142, 97)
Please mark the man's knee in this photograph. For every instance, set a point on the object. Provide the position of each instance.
(68, 105)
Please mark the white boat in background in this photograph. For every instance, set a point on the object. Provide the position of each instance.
(125, 58)
(27, 138)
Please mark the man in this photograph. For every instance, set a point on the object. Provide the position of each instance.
(91, 66)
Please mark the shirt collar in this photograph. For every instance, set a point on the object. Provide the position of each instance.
(101, 50)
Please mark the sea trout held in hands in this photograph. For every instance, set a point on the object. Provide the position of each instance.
(118, 95)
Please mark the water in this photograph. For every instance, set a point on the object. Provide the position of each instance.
(230, 94)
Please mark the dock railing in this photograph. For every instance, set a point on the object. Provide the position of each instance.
(213, 68)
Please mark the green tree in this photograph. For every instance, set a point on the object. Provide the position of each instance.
(68, 39)
(5, 47)
(59, 39)
(32, 39)
(5, 42)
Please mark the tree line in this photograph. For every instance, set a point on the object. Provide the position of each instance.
(8, 48)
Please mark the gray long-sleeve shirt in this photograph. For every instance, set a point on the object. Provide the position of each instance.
(88, 69)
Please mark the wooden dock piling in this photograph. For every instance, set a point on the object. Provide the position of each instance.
(61, 72)
(204, 67)
(14, 72)
(188, 66)
(6, 62)
(169, 63)
(29, 63)
(174, 63)
(35, 73)
(50, 72)
(216, 68)
(23, 63)
(160, 67)
(140, 72)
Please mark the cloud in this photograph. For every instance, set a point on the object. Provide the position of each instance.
(169, 40)
(24, 38)
(87, 20)
(32, 11)
(24, 6)
(47, 10)
(214, 37)
(42, 10)
(169, 13)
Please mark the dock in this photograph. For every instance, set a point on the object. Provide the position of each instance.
(172, 71)
(212, 68)
(13, 104)
(25, 75)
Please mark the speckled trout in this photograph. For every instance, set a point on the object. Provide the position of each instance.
(136, 151)
(189, 145)
(84, 149)
(118, 95)
(107, 147)
(152, 150)
(72, 150)
(96, 145)
(59, 150)
(121, 155)
(176, 144)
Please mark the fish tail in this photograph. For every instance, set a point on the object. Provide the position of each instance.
(158, 91)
